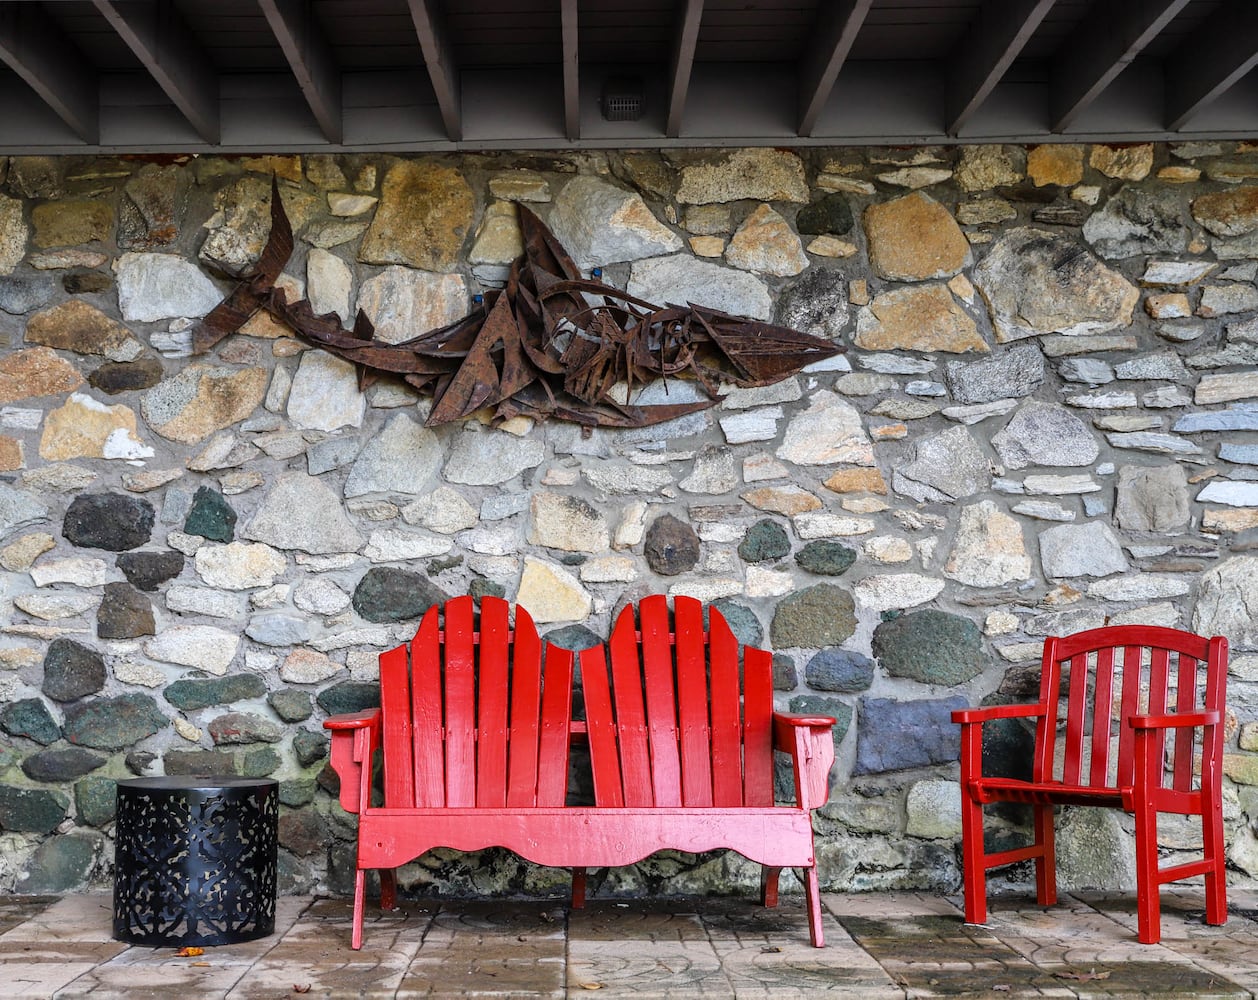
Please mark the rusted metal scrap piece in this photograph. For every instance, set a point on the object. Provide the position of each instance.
(552, 343)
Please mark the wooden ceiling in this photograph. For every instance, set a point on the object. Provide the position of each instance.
(414, 75)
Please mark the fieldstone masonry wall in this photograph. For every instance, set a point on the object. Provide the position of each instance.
(1046, 419)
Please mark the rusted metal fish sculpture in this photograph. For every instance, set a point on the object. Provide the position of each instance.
(552, 343)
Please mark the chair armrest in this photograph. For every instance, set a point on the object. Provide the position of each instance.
(355, 739)
(353, 720)
(810, 742)
(1179, 720)
(989, 712)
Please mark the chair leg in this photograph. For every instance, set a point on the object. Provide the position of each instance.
(388, 889)
(1216, 877)
(360, 896)
(1046, 863)
(1148, 902)
(769, 885)
(973, 862)
(578, 888)
(812, 892)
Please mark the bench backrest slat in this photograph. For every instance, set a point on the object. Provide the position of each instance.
(473, 715)
(709, 744)
(1111, 674)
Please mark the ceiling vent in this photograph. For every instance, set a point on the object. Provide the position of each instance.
(622, 99)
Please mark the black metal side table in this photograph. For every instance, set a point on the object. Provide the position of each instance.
(194, 859)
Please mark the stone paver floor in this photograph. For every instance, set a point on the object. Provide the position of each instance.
(881, 945)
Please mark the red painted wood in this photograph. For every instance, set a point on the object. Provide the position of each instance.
(552, 781)
(690, 648)
(526, 708)
(1102, 722)
(493, 651)
(427, 717)
(661, 698)
(600, 724)
(635, 760)
(727, 723)
(757, 715)
(1154, 662)
(460, 685)
(397, 739)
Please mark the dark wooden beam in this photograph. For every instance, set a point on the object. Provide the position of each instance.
(689, 13)
(991, 43)
(1101, 46)
(1215, 56)
(571, 78)
(837, 27)
(36, 49)
(439, 58)
(160, 39)
(308, 53)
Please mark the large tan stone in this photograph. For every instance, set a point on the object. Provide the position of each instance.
(760, 174)
(1128, 163)
(201, 400)
(924, 318)
(552, 594)
(1228, 213)
(37, 371)
(1055, 163)
(988, 549)
(69, 223)
(914, 238)
(78, 326)
(85, 428)
(13, 234)
(857, 481)
(766, 243)
(424, 216)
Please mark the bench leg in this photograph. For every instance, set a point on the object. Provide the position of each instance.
(388, 889)
(578, 888)
(973, 861)
(360, 895)
(769, 885)
(812, 892)
(1046, 863)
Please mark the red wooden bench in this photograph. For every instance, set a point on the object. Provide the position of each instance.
(474, 729)
(1153, 745)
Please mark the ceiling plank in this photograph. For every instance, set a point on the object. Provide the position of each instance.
(1210, 60)
(307, 50)
(991, 43)
(162, 41)
(571, 79)
(689, 14)
(1099, 48)
(837, 28)
(439, 58)
(39, 52)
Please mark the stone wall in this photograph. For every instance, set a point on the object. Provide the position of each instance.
(1044, 420)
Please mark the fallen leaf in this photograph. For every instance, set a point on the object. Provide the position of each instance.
(771, 949)
(305, 988)
(189, 952)
(1083, 977)
(591, 986)
(1001, 988)
(203, 965)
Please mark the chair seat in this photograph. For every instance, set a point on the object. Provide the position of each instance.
(1049, 793)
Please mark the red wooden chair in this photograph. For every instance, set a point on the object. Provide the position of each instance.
(1143, 731)
(684, 759)
(474, 728)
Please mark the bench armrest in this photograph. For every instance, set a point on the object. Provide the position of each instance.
(989, 712)
(353, 720)
(810, 742)
(355, 739)
(1178, 720)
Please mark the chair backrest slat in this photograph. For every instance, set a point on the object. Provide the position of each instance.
(630, 715)
(1102, 714)
(493, 647)
(1185, 696)
(661, 700)
(757, 726)
(526, 708)
(692, 704)
(727, 722)
(396, 738)
(460, 683)
(600, 722)
(555, 737)
(427, 715)
(1075, 712)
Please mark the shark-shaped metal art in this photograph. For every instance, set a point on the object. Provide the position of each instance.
(552, 343)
